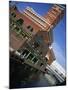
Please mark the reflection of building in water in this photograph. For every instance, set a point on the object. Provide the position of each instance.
(31, 36)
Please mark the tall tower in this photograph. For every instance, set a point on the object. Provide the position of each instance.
(54, 15)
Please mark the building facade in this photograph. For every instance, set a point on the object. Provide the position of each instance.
(31, 36)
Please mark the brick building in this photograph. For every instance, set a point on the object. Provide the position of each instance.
(31, 35)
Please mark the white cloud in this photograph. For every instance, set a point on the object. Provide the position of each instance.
(59, 54)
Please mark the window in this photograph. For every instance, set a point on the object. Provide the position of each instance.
(45, 69)
(20, 21)
(41, 64)
(13, 14)
(36, 45)
(35, 60)
(17, 29)
(25, 52)
(61, 74)
(30, 57)
(15, 8)
(39, 39)
(30, 28)
(56, 70)
(23, 34)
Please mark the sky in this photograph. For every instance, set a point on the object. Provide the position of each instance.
(59, 32)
